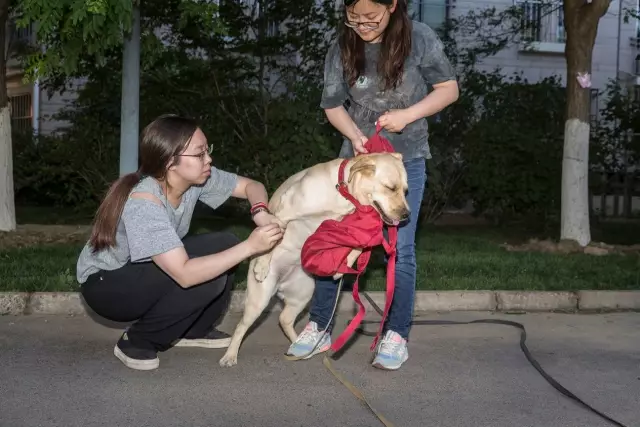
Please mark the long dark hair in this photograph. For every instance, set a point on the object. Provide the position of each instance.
(396, 46)
(160, 142)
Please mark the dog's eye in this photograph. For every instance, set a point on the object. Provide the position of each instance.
(392, 188)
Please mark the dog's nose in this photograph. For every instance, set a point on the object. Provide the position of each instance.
(405, 215)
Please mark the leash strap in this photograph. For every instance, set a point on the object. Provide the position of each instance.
(523, 346)
(390, 248)
(326, 361)
(357, 319)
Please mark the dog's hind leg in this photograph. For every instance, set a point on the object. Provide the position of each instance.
(296, 293)
(257, 299)
(288, 316)
(287, 319)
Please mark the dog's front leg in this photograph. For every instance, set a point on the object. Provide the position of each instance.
(351, 259)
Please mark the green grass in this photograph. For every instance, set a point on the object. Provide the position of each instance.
(449, 258)
(468, 259)
(53, 216)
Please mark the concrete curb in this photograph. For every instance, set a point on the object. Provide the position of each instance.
(72, 303)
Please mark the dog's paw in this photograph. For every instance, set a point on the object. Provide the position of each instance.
(228, 360)
(261, 269)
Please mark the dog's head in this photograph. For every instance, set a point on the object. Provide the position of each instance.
(380, 180)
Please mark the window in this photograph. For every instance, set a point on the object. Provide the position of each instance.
(542, 20)
(21, 112)
(434, 13)
(21, 35)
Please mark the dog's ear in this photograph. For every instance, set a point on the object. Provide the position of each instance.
(364, 165)
(397, 155)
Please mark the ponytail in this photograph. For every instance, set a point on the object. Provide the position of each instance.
(107, 217)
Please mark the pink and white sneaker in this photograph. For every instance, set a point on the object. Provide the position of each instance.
(307, 341)
(391, 352)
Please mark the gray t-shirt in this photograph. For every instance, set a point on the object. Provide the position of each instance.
(426, 64)
(147, 229)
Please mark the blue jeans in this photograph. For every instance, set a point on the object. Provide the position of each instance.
(401, 311)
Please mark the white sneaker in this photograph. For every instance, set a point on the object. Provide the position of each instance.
(392, 352)
(307, 341)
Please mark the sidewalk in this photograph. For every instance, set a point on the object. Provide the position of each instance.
(60, 371)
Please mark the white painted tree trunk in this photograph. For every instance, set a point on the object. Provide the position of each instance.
(575, 183)
(581, 22)
(7, 204)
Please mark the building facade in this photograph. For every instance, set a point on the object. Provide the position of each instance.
(541, 52)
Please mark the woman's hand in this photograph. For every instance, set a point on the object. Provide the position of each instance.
(265, 237)
(358, 142)
(340, 119)
(394, 120)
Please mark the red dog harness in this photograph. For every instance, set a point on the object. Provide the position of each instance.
(325, 252)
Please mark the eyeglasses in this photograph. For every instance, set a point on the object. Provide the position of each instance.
(202, 155)
(366, 25)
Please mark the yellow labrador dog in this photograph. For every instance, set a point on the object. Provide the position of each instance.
(302, 203)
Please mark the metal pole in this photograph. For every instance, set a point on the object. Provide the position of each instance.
(130, 107)
(618, 46)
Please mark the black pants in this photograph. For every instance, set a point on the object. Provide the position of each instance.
(163, 309)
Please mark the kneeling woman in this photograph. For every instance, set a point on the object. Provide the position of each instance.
(138, 265)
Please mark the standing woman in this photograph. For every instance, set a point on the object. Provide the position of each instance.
(382, 64)
(138, 265)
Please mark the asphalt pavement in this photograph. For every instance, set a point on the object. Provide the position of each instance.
(60, 371)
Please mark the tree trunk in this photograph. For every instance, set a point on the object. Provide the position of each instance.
(581, 22)
(7, 203)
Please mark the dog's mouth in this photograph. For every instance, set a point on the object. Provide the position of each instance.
(384, 216)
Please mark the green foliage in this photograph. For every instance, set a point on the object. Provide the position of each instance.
(514, 150)
(615, 142)
(75, 32)
(256, 103)
(71, 170)
(82, 35)
(460, 133)
(255, 90)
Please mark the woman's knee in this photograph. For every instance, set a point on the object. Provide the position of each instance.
(210, 243)
(226, 238)
(406, 253)
(206, 292)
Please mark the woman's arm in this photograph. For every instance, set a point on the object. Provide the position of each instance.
(251, 190)
(437, 70)
(443, 95)
(341, 120)
(255, 192)
(334, 95)
(150, 234)
(189, 272)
